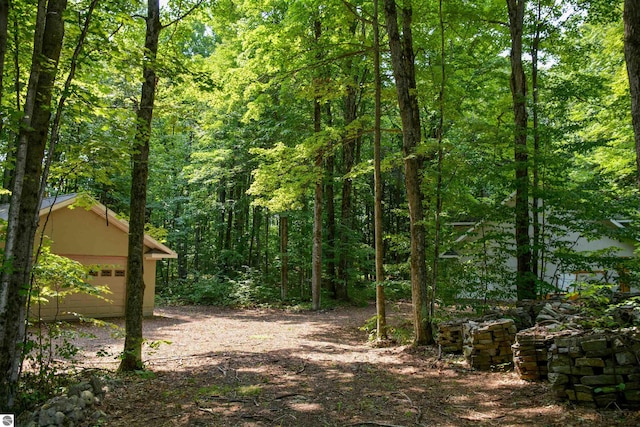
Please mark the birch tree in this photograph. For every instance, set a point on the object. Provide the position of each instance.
(24, 205)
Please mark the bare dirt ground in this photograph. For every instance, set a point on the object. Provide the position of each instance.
(251, 368)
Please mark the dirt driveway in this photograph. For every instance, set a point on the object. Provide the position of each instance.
(273, 368)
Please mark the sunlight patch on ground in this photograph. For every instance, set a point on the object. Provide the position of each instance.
(306, 407)
(261, 337)
(586, 416)
(479, 416)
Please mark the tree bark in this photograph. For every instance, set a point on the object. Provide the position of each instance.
(24, 207)
(4, 33)
(440, 160)
(254, 236)
(525, 283)
(132, 355)
(316, 251)
(631, 18)
(258, 214)
(403, 62)
(332, 250)
(536, 259)
(381, 314)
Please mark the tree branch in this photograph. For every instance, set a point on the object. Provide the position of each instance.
(493, 21)
(366, 20)
(184, 15)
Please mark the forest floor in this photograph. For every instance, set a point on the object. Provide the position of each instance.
(249, 368)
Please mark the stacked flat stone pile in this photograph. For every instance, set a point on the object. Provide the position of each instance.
(598, 369)
(487, 345)
(450, 336)
(530, 354)
(531, 351)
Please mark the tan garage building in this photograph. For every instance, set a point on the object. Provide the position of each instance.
(86, 231)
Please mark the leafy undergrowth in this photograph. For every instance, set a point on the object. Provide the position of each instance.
(275, 368)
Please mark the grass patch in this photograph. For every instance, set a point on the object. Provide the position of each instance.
(215, 390)
(249, 390)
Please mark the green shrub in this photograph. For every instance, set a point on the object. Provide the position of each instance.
(49, 350)
(401, 333)
(247, 289)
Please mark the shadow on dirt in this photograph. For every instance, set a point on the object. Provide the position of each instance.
(278, 388)
(254, 368)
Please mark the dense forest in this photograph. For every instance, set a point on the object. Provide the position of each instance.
(313, 151)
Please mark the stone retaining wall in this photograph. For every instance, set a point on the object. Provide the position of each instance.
(598, 369)
(531, 351)
(595, 368)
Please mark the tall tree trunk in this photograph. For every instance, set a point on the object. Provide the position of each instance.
(403, 62)
(258, 214)
(346, 205)
(24, 207)
(631, 17)
(284, 256)
(525, 282)
(439, 138)
(254, 237)
(535, 191)
(222, 202)
(316, 252)
(132, 355)
(381, 314)
(182, 246)
(229, 207)
(241, 217)
(332, 250)
(4, 33)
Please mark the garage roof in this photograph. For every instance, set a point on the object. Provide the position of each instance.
(156, 250)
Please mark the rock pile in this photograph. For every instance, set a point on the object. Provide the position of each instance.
(556, 312)
(626, 313)
(520, 315)
(487, 345)
(450, 336)
(530, 352)
(78, 405)
(598, 369)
